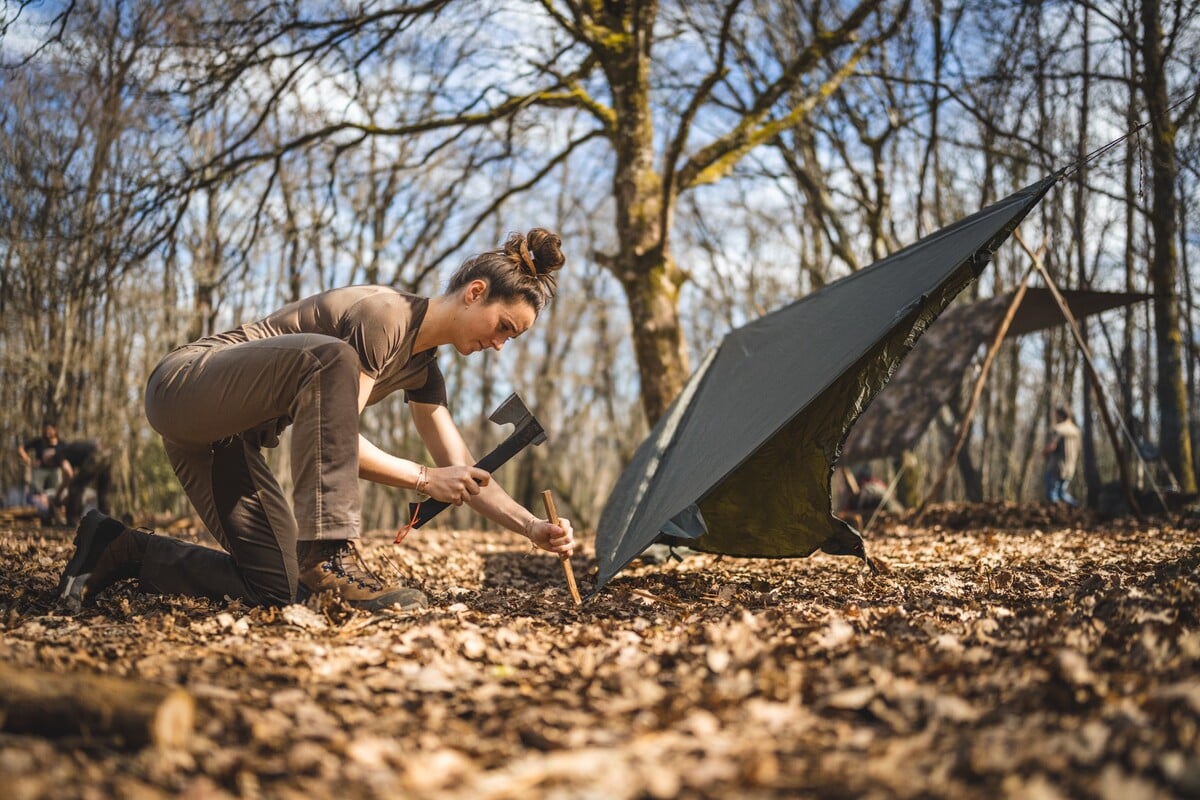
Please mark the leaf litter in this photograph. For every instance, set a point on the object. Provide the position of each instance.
(1004, 651)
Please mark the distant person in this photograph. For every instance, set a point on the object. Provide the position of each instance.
(40, 455)
(84, 464)
(1062, 454)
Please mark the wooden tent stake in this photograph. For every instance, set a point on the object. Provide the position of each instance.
(552, 515)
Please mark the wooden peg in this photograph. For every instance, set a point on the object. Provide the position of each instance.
(552, 515)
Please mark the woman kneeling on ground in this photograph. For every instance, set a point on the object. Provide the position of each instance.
(314, 365)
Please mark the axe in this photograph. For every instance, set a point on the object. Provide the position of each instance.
(527, 431)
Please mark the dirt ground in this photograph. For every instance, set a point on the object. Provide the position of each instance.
(1002, 651)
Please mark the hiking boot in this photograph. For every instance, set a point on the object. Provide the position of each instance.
(106, 551)
(336, 566)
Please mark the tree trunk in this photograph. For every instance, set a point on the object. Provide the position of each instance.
(972, 480)
(908, 488)
(1010, 483)
(1174, 443)
(1091, 466)
(971, 477)
(643, 265)
(1193, 356)
(653, 296)
(1128, 361)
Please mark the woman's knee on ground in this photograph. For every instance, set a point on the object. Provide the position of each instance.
(270, 590)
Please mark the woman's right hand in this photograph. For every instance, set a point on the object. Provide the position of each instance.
(455, 484)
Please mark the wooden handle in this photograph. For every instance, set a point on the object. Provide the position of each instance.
(552, 515)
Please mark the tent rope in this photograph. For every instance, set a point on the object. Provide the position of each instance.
(1099, 152)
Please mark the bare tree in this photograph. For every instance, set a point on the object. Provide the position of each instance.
(79, 211)
(704, 160)
(604, 60)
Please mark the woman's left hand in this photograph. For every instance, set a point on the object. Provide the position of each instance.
(558, 539)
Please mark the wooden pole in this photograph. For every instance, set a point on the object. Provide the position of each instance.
(48, 704)
(887, 495)
(964, 427)
(552, 515)
(1097, 387)
(851, 481)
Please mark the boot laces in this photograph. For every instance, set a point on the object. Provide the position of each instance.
(348, 562)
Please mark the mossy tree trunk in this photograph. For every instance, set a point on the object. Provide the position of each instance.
(1174, 442)
(643, 263)
(647, 184)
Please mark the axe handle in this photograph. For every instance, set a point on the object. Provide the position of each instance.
(552, 515)
(504, 451)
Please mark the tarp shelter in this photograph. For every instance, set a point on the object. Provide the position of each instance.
(741, 462)
(932, 373)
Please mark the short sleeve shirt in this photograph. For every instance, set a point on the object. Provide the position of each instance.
(77, 452)
(43, 453)
(379, 322)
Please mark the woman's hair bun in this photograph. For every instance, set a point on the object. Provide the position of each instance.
(524, 268)
(540, 251)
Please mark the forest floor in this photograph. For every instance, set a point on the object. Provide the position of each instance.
(1002, 651)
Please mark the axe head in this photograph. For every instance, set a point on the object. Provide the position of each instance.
(513, 410)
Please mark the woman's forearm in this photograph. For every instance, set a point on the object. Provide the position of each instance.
(380, 467)
(496, 504)
(447, 446)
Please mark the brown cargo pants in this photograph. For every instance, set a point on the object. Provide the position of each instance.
(216, 405)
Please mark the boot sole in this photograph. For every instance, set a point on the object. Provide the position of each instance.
(71, 585)
(404, 600)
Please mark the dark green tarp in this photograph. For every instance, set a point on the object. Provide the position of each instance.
(741, 462)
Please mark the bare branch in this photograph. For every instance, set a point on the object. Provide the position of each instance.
(718, 73)
(57, 27)
(717, 158)
(500, 199)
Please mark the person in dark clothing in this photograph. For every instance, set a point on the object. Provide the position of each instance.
(84, 463)
(40, 454)
(41, 458)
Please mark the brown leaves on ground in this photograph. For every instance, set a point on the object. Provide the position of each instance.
(997, 655)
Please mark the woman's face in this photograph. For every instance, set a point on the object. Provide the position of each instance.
(482, 324)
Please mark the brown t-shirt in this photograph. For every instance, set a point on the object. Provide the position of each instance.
(379, 322)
